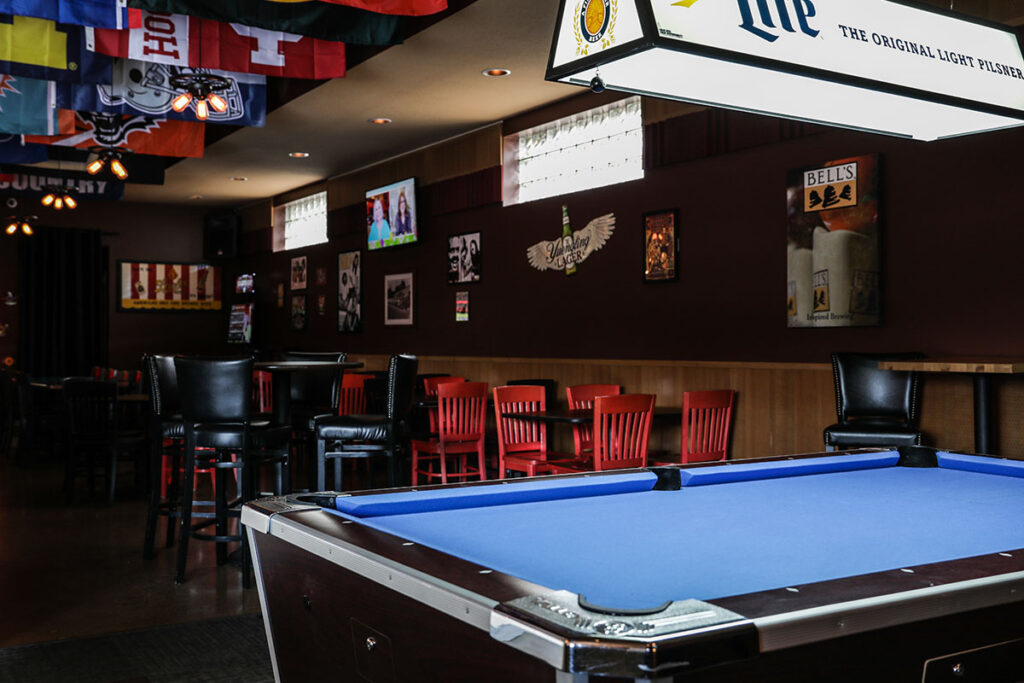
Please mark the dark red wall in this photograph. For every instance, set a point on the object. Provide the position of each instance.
(951, 239)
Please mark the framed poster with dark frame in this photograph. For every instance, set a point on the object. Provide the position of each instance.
(465, 255)
(661, 246)
(298, 311)
(167, 286)
(298, 277)
(398, 299)
(350, 292)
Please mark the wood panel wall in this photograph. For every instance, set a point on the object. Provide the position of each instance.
(781, 408)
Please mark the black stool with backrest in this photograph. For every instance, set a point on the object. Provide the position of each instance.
(92, 432)
(875, 407)
(166, 438)
(216, 407)
(315, 392)
(341, 437)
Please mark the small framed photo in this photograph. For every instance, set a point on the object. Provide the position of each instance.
(321, 277)
(321, 304)
(298, 273)
(461, 307)
(350, 292)
(465, 253)
(661, 246)
(280, 295)
(398, 299)
(298, 311)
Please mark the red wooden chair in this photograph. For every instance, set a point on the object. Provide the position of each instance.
(581, 397)
(622, 426)
(353, 394)
(430, 385)
(263, 391)
(461, 427)
(522, 444)
(707, 426)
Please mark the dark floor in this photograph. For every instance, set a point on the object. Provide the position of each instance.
(74, 568)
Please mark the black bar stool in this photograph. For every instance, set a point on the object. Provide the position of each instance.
(166, 439)
(216, 405)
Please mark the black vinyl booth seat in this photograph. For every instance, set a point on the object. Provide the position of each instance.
(341, 437)
(216, 404)
(875, 407)
(166, 438)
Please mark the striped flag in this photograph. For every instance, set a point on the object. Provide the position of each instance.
(101, 13)
(181, 40)
(170, 286)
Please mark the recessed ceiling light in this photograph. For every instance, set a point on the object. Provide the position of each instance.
(240, 178)
(495, 73)
(298, 155)
(380, 121)
(195, 196)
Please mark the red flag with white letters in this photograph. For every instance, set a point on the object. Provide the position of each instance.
(182, 40)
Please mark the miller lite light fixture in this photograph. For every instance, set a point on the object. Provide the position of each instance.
(875, 65)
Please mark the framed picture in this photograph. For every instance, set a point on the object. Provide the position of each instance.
(321, 304)
(299, 272)
(465, 252)
(298, 311)
(661, 246)
(461, 307)
(160, 286)
(321, 277)
(350, 292)
(280, 295)
(398, 299)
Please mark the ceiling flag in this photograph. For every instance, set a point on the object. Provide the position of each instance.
(43, 49)
(28, 106)
(411, 8)
(35, 182)
(141, 134)
(303, 17)
(144, 88)
(99, 13)
(181, 40)
(14, 151)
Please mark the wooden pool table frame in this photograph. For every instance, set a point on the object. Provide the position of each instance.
(343, 601)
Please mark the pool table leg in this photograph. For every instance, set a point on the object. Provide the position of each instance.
(982, 414)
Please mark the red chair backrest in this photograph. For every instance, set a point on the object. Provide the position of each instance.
(461, 412)
(352, 399)
(622, 426)
(707, 425)
(516, 436)
(581, 397)
(430, 385)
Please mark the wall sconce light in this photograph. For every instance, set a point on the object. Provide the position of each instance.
(108, 156)
(200, 88)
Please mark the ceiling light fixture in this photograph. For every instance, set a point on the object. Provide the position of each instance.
(298, 155)
(108, 156)
(495, 73)
(59, 197)
(199, 89)
(380, 121)
(873, 65)
(16, 223)
(240, 178)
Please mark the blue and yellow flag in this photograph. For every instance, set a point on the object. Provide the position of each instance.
(43, 49)
(97, 13)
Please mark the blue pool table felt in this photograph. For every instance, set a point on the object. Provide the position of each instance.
(639, 548)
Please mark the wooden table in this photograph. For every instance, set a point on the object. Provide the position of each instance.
(580, 416)
(981, 369)
(282, 371)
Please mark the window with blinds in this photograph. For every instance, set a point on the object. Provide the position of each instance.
(301, 223)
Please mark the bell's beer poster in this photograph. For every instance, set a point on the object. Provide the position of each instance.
(832, 244)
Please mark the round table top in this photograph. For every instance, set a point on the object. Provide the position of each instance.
(305, 364)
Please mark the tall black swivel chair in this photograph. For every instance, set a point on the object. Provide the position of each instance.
(875, 407)
(216, 405)
(341, 437)
(166, 438)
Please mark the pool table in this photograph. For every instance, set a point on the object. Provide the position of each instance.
(868, 565)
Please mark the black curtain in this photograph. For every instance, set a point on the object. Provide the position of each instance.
(63, 302)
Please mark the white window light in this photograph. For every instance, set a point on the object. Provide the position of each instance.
(301, 223)
(602, 146)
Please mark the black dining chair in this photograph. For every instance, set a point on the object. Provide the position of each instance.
(341, 437)
(93, 437)
(874, 407)
(216, 408)
(314, 393)
(166, 431)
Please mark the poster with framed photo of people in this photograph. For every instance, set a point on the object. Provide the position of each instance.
(298, 311)
(350, 292)
(661, 247)
(398, 299)
(465, 253)
(298, 279)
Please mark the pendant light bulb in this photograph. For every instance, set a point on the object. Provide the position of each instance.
(202, 110)
(180, 103)
(118, 169)
(58, 203)
(217, 102)
(49, 199)
(70, 202)
(11, 228)
(26, 228)
(95, 166)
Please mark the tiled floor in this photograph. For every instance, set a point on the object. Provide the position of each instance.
(72, 568)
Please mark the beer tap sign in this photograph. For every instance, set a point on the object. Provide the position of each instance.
(573, 247)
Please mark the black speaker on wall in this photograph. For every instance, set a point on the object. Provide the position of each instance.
(220, 236)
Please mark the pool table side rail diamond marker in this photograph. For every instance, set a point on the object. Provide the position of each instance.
(535, 625)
